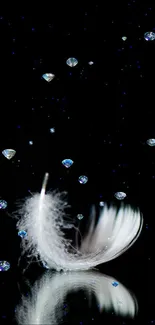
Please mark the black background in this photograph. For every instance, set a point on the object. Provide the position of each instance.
(103, 115)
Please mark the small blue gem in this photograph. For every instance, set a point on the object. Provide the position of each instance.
(115, 284)
(4, 266)
(22, 233)
(67, 162)
(149, 36)
(83, 179)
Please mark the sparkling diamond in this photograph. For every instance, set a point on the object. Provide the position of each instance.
(8, 153)
(67, 162)
(151, 142)
(22, 233)
(115, 284)
(3, 204)
(52, 130)
(120, 195)
(80, 216)
(48, 76)
(72, 62)
(31, 143)
(83, 179)
(124, 38)
(149, 36)
(101, 204)
(4, 266)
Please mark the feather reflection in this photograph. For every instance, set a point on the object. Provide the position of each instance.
(44, 305)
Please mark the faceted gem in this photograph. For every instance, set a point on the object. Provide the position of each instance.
(83, 179)
(120, 195)
(80, 216)
(31, 143)
(149, 36)
(48, 76)
(3, 204)
(8, 153)
(115, 284)
(4, 266)
(67, 162)
(72, 62)
(101, 204)
(151, 142)
(22, 233)
(124, 38)
(52, 130)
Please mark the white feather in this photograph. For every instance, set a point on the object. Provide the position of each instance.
(45, 303)
(43, 218)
